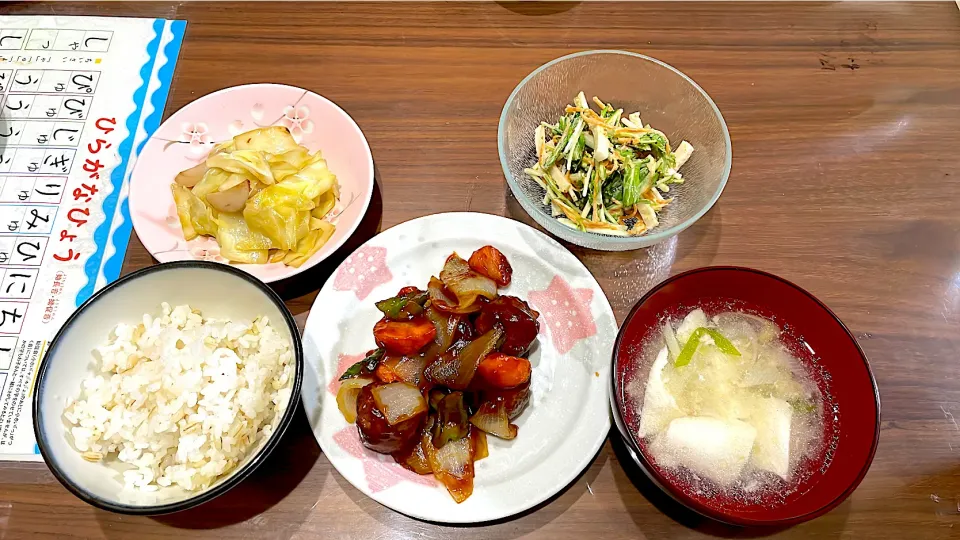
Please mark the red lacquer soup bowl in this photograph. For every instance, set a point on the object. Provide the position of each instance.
(851, 404)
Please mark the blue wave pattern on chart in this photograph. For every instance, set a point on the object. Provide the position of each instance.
(121, 236)
(92, 268)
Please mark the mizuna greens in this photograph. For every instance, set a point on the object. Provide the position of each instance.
(605, 172)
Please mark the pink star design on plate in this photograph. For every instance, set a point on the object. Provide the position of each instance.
(363, 271)
(380, 471)
(567, 311)
(343, 362)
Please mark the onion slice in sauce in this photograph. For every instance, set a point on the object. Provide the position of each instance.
(466, 284)
(456, 371)
(480, 449)
(453, 466)
(410, 370)
(399, 401)
(415, 457)
(347, 396)
(446, 327)
(492, 418)
(442, 301)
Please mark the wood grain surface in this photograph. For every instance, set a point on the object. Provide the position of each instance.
(846, 180)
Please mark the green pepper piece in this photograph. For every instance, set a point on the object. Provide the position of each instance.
(410, 310)
(452, 421)
(436, 396)
(393, 307)
(367, 365)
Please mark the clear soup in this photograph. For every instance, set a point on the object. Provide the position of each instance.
(727, 408)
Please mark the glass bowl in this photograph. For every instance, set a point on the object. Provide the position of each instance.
(815, 335)
(667, 100)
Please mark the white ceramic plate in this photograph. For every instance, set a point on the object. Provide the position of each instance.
(568, 417)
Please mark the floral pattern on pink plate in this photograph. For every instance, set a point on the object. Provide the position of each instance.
(187, 136)
(295, 118)
(194, 133)
(568, 418)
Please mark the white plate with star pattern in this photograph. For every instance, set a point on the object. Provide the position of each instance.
(568, 417)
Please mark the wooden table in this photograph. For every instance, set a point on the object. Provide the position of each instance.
(845, 180)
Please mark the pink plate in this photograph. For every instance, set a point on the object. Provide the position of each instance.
(187, 136)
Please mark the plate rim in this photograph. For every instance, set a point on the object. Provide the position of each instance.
(250, 268)
(563, 481)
